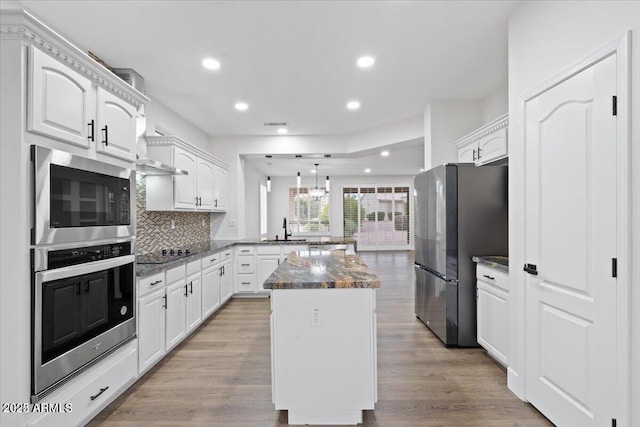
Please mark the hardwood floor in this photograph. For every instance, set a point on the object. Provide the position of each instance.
(221, 375)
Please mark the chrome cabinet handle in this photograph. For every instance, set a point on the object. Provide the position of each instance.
(474, 154)
(245, 265)
(102, 390)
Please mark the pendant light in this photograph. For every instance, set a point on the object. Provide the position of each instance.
(326, 184)
(298, 180)
(268, 184)
(316, 192)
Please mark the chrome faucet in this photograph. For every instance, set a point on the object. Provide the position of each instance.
(284, 225)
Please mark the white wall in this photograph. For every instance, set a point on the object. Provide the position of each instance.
(495, 103)
(252, 180)
(444, 123)
(278, 198)
(544, 38)
(162, 118)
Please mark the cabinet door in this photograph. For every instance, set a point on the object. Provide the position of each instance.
(115, 126)
(210, 290)
(492, 147)
(151, 329)
(184, 186)
(493, 321)
(61, 101)
(194, 302)
(266, 266)
(467, 154)
(220, 188)
(176, 316)
(226, 286)
(204, 180)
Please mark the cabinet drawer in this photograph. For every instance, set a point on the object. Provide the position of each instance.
(226, 254)
(93, 390)
(246, 282)
(147, 284)
(268, 250)
(246, 250)
(210, 260)
(246, 264)
(175, 274)
(492, 276)
(193, 267)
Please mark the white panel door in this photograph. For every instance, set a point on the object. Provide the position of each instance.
(184, 186)
(204, 181)
(116, 126)
(570, 145)
(151, 329)
(210, 290)
(176, 316)
(61, 101)
(194, 302)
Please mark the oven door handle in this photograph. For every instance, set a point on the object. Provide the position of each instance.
(81, 269)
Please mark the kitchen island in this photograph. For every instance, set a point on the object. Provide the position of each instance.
(323, 337)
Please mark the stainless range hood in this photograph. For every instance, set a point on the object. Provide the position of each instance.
(149, 167)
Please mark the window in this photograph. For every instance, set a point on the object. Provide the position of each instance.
(308, 214)
(378, 217)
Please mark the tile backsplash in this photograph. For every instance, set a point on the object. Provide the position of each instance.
(153, 229)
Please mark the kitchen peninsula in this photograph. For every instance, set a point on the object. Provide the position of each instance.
(323, 337)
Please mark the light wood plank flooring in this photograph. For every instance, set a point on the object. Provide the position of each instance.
(221, 375)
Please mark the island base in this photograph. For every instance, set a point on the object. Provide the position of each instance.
(325, 417)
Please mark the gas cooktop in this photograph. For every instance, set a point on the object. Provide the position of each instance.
(165, 255)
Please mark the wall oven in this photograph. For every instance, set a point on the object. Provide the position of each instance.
(83, 302)
(78, 199)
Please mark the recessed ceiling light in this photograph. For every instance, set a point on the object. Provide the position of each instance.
(366, 61)
(353, 105)
(384, 153)
(282, 131)
(211, 64)
(367, 170)
(241, 106)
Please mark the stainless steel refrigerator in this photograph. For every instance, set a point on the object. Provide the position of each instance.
(461, 211)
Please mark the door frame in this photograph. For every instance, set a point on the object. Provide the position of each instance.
(620, 47)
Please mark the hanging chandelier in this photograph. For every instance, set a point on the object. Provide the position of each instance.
(316, 192)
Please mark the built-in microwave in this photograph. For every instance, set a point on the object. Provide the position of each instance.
(77, 199)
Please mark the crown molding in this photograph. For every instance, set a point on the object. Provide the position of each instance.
(174, 141)
(489, 128)
(21, 25)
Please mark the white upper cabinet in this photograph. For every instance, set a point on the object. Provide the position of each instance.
(205, 172)
(116, 126)
(220, 188)
(66, 105)
(485, 145)
(59, 101)
(202, 189)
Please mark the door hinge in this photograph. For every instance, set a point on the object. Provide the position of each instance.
(614, 105)
(614, 267)
(614, 422)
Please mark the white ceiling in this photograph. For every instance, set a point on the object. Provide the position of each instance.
(295, 61)
(404, 159)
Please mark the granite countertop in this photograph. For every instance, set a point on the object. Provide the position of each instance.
(201, 250)
(324, 269)
(498, 262)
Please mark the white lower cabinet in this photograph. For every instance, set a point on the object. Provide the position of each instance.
(210, 285)
(493, 312)
(90, 392)
(267, 264)
(193, 301)
(226, 280)
(176, 314)
(151, 329)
